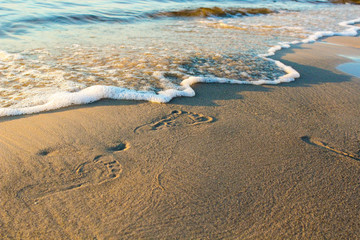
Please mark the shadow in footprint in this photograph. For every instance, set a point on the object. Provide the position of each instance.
(119, 147)
(319, 143)
(175, 118)
(44, 152)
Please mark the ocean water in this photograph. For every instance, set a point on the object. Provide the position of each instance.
(58, 53)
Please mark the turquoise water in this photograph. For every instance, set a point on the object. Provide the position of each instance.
(55, 54)
(352, 68)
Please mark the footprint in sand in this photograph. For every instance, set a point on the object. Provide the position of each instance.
(175, 118)
(59, 173)
(319, 143)
(100, 169)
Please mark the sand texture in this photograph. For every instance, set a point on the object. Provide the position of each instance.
(235, 162)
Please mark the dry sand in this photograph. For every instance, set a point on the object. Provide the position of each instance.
(235, 162)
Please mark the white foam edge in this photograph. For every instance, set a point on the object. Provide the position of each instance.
(95, 93)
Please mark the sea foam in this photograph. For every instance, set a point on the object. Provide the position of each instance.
(90, 94)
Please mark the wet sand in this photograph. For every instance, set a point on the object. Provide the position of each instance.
(235, 162)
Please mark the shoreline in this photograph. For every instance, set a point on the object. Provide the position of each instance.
(351, 41)
(236, 161)
(99, 92)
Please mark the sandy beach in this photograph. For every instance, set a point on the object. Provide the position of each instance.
(234, 162)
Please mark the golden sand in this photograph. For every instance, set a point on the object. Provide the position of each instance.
(235, 162)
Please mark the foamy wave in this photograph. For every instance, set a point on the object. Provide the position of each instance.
(350, 31)
(95, 93)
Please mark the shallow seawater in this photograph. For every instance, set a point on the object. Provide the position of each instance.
(352, 68)
(61, 53)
